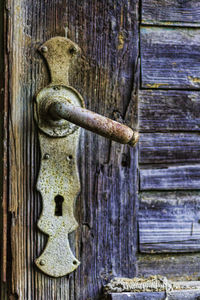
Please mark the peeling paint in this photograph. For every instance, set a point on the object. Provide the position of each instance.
(120, 41)
(194, 79)
(155, 85)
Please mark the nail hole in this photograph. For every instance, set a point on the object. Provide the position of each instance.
(72, 50)
(74, 262)
(69, 157)
(59, 205)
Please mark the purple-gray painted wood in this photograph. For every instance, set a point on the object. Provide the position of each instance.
(171, 12)
(165, 148)
(172, 295)
(162, 111)
(170, 58)
(170, 177)
(175, 266)
(169, 222)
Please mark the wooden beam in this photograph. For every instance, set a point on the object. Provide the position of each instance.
(169, 222)
(175, 295)
(170, 58)
(166, 148)
(182, 266)
(170, 177)
(171, 12)
(162, 111)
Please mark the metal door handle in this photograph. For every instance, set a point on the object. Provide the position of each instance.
(92, 121)
(59, 110)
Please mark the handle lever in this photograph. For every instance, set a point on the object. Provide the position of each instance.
(92, 121)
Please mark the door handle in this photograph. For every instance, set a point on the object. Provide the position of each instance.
(58, 110)
(59, 113)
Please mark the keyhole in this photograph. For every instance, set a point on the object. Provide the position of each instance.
(58, 207)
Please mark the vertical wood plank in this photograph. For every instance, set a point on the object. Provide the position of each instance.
(106, 240)
(3, 156)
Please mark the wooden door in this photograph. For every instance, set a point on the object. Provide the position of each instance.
(139, 65)
(106, 77)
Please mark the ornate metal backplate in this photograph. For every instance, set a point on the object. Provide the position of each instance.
(58, 180)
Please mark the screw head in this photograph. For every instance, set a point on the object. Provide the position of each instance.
(42, 262)
(44, 49)
(46, 156)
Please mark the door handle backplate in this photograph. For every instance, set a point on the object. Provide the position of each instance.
(58, 180)
(59, 111)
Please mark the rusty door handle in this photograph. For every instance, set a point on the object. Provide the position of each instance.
(60, 112)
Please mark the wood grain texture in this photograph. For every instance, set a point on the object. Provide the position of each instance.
(105, 243)
(171, 12)
(170, 58)
(169, 222)
(161, 111)
(178, 267)
(165, 148)
(170, 177)
(3, 157)
(174, 295)
(138, 296)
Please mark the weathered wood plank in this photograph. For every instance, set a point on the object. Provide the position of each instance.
(107, 33)
(3, 156)
(169, 111)
(171, 12)
(169, 148)
(174, 266)
(173, 295)
(170, 58)
(169, 222)
(138, 296)
(154, 287)
(170, 177)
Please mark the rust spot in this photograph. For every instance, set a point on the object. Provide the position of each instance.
(120, 41)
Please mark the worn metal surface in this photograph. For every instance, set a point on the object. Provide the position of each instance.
(58, 177)
(57, 107)
(59, 52)
(47, 96)
(93, 122)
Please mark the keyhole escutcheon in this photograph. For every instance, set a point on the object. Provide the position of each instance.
(58, 205)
